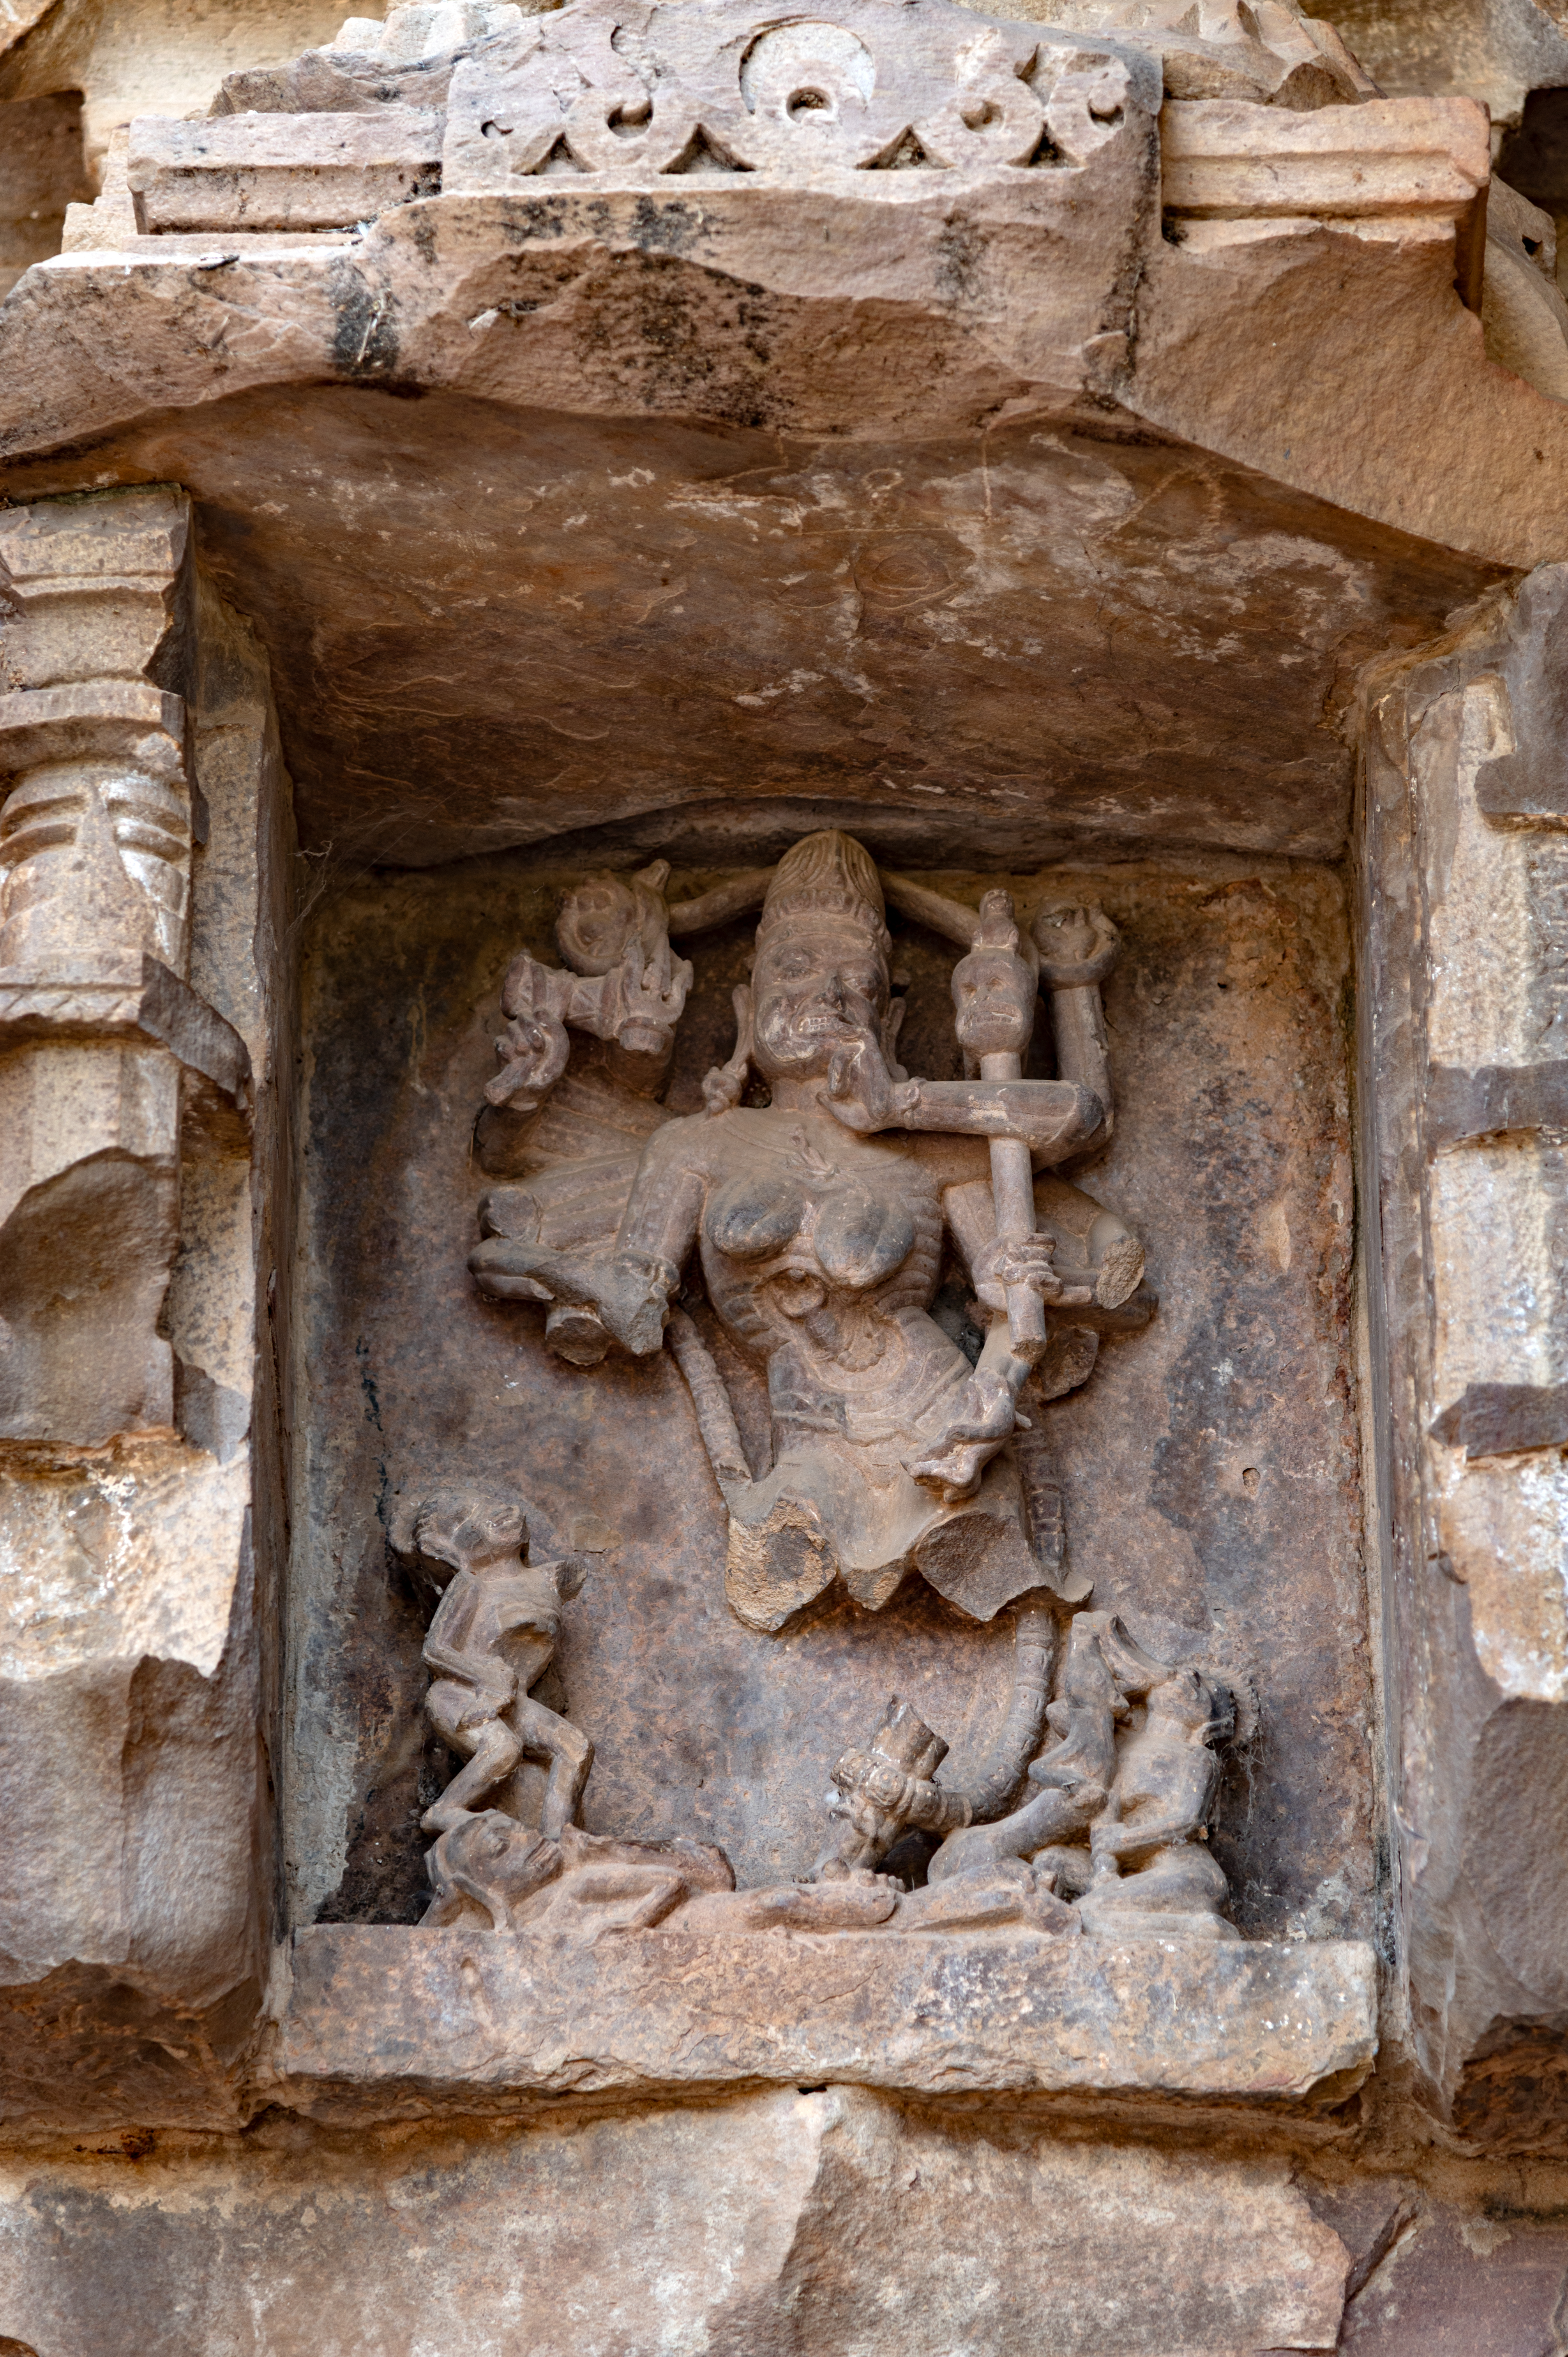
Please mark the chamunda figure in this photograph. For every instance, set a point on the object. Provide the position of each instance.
(819, 1221)
(491, 1638)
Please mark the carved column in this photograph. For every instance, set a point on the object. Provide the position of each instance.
(1464, 1036)
(95, 850)
(140, 1490)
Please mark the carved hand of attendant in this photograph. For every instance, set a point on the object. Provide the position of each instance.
(1016, 1260)
(1077, 946)
(494, 1692)
(533, 1050)
(862, 1092)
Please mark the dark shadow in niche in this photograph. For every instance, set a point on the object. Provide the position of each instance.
(1534, 154)
(383, 1874)
(41, 171)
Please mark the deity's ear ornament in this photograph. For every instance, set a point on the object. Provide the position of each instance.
(724, 1085)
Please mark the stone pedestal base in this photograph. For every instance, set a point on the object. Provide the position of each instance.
(380, 2021)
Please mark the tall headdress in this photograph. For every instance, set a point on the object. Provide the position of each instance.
(827, 874)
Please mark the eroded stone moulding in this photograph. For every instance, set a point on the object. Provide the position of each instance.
(1464, 1027)
(128, 1142)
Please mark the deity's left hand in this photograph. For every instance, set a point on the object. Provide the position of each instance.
(863, 1094)
(533, 1050)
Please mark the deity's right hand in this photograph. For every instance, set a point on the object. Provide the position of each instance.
(630, 1292)
(1015, 1260)
(862, 1093)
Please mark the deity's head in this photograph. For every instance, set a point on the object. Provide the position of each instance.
(820, 978)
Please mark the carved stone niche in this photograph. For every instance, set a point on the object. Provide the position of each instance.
(765, 1294)
(815, 1550)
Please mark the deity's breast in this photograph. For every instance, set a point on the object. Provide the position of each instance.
(801, 1206)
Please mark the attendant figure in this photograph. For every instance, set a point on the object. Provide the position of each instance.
(491, 1640)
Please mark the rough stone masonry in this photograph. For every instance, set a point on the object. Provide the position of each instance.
(783, 1178)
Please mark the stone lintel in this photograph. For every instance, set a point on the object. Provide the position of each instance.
(282, 171)
(381, 2018)
(1227, 159)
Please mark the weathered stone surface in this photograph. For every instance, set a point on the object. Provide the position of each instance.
(142, 54)
(136, 1572)
(1272, 56)
(281, 171)
(1223, 159)
(1467, 937)
(951, 646)
(127, 1706)
(772, 2227)
(381, 2021)
(1495, 50)
(41, 173)
(1523, 311)
(1452, 2279)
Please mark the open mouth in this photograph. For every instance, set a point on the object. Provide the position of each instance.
(828, 1025)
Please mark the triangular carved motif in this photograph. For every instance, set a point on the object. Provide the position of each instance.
(560, 158)
(1045, 151)
(702, 154)
(906, 154)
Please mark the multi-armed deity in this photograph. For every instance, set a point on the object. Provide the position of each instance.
(815, 1225)
(818, 1219)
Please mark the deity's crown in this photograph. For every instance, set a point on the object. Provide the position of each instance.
(827, 874)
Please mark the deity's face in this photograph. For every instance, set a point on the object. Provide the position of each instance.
(819, 982)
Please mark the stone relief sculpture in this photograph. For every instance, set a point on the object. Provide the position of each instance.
(1117, 1825)
(818, 1223)
(1125, 1792)
(491, 1641)
(804, 1213)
